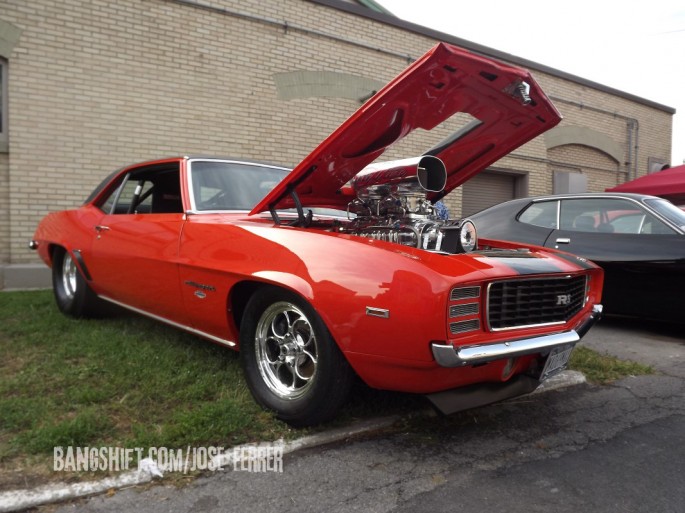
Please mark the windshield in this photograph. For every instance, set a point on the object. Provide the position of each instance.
(218, 185)
(226, 185)
(669, 211)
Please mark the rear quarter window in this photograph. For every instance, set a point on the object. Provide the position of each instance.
(542, 214)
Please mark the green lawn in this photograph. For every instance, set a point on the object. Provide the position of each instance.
(127, 381)
(124, 381)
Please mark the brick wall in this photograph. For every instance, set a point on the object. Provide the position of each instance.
(4, 208)
(97, 84)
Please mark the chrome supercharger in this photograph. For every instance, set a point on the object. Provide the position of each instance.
(392, 205)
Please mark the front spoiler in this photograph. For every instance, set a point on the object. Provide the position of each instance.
(446, 355)
(474, 396)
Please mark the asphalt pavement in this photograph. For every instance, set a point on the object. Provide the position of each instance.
(616, 448)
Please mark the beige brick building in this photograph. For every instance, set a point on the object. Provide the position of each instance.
(88, 86)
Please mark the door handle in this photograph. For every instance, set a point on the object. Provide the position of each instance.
(563, 240)
(101, 228)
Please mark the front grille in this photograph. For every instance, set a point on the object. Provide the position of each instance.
(464, 293)
(534, 302)
(464, 326)
(463, 310)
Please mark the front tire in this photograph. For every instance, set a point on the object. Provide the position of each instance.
(292, 364)
(72, 294)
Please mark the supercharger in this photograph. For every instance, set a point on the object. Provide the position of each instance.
(392, 205)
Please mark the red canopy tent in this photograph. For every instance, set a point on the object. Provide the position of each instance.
(669, 184)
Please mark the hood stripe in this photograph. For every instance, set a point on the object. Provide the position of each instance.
(525, 266)
(583, 263)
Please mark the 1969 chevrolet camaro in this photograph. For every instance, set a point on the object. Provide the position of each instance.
(340, 266)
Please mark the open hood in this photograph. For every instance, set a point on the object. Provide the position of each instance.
(507, 106)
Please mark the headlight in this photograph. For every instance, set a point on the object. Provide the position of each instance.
(468, 239)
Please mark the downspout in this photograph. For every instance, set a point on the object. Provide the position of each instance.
(632, 125)
(636, 126)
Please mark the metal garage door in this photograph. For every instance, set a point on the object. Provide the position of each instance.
(485, 190)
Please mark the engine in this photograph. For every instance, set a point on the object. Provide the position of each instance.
(392, 205)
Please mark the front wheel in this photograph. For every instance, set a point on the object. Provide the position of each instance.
(292, 364)
(72, 294)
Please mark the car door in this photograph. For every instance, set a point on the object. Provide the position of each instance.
(134, 256)
(641, 255)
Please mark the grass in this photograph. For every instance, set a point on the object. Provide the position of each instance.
(79, 382)
(602, 369)
(127, 381)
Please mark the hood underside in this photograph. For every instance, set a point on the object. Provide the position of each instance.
(507, 106)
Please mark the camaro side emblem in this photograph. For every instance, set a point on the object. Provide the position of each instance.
(564, 299)
(201, 286)
(377, 312)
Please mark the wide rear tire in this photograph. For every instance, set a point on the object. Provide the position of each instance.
(72, 294)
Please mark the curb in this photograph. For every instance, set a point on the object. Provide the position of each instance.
(17, 500)
(564, 379)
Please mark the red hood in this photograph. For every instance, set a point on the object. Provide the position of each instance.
(443, 82)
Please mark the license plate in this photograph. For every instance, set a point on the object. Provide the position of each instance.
(557, 361)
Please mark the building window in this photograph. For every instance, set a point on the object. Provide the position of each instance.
(4, 136)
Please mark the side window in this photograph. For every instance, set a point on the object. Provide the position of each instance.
(108, 203)
(654, 226)
(607, 215)
(148, 191)
(135, 197)
(542, 214)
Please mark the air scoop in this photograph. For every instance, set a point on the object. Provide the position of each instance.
(428, 171)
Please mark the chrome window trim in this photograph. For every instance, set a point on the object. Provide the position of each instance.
(639, 202)
(189, 181)
(537, 201)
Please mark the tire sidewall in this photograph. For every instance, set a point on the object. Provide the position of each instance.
(73, 306)
(311, 407)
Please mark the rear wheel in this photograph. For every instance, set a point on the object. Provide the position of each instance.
(72, 294)
(291, 362)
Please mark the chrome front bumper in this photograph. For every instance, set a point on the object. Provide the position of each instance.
(446, 355)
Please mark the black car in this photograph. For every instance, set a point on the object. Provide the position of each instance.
(639, 240)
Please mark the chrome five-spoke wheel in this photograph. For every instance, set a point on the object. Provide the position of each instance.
(286, 350)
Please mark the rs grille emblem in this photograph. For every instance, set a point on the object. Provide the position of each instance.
(563, 299)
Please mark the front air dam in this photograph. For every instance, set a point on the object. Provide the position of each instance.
(473, 396)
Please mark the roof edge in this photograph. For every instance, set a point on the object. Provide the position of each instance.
(371, 4)
(390, 19)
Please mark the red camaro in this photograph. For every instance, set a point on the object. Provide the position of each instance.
(341, 267)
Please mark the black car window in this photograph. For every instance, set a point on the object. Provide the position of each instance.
(668, 210)
(609, 215)
(135, 197)
(153, 190)
(542, 214)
